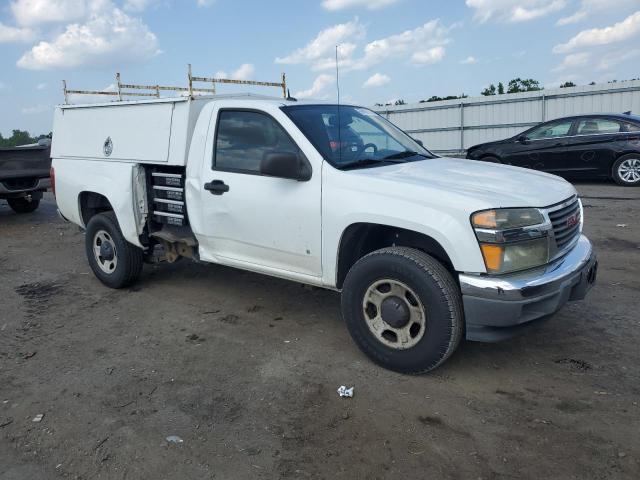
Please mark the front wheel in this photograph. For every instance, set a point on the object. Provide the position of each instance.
(23, 204)
(115, 262)
(626, 170)
(403, 309)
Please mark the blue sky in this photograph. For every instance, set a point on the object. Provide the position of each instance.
(389, 49)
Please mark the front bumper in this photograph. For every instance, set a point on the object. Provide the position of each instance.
(498, 307)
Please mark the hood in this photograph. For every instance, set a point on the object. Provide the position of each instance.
(488, 185)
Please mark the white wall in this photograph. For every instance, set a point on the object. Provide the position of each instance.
(438, 124)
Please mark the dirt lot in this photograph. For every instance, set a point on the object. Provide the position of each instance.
(245, 368)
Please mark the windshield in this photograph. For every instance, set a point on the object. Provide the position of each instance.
(348, 136)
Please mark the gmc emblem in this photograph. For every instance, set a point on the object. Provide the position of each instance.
(573, 220)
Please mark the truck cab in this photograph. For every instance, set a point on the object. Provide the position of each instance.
(425, 250)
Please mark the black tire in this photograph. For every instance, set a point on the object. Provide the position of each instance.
(436, 290)
(24, 204)
(491, 159)
(128, 257)
(615, 170)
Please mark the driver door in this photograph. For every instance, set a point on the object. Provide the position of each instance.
(544, 147)
(257, 222)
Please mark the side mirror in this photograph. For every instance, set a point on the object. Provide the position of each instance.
(285, 165)
(419, 142)
(522, 139)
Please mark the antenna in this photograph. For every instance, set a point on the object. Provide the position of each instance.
(339, 120)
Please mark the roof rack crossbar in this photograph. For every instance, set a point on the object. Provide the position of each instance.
(156, 89)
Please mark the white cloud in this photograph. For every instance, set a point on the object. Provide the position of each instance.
(36, 109)
(470, 60)
(606, 62)
(205, 3)
(138, 5)
(513, 10)
(420, 46)
(423, 45)
(588, 7)
(108, 37)
(35, 12)
(325, 42)
(15, 34)
(321, 82)
(427, 57)
(42, 86)
(574, 60)
(376, 80)
(244, 72)
(368, 4)
(621, 31)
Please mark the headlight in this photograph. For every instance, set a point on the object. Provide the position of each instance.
(512, 239)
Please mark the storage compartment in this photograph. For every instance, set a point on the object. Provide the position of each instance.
(168, 193)
(167, 197)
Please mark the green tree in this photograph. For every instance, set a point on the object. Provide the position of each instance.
(436, 98)
(500, 89)
(490, 90)
(18, 137)
(518, 85)
(568, 84)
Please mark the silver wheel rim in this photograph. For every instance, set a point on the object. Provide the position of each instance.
(629, 170)
(102, 240)
(397, 337)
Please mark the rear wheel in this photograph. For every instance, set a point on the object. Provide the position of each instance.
(115, 262)
(626, 170)
(23, 204)
(403, 309)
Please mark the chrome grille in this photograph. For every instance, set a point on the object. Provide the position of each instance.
(566, 222)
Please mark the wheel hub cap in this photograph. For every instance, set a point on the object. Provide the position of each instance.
(395, 312)
(104, 251)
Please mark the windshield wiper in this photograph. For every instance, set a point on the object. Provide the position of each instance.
(405, 154)
(367, 161)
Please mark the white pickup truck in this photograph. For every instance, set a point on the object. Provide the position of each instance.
(425, 250)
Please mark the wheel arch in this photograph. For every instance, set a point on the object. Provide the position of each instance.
(92, 203)
(360, 239)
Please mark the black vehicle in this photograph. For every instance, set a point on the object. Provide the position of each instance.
(585, 146)
(24, 175)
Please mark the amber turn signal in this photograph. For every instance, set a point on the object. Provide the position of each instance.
(486, 219)
(493, 255)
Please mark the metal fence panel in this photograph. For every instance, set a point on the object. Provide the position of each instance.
(452, 126)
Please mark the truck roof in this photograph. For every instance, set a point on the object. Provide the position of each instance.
(198, 98)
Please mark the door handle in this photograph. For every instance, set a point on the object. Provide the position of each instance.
(216, 187)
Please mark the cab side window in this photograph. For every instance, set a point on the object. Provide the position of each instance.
(243, 138)
(551, 130)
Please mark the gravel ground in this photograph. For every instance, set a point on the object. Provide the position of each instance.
(244, 369)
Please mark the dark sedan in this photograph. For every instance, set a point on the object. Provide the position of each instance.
(585, 146)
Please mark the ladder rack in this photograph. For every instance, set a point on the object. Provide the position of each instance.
(124, 89)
